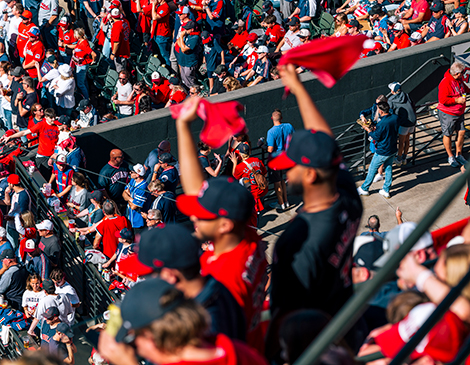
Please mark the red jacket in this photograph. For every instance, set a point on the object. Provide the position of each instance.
(449, 89)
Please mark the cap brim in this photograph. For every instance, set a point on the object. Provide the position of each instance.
(380, 262)
(132, 266)
(190, 206)
(281, 162)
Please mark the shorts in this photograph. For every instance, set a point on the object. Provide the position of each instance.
(275, 176)
(451, 123)
(415, 26)
(403, 131)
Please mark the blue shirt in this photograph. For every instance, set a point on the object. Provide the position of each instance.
(380, 24)
(46, 335)
(190, 58)
(170, 178)
(166, 206)
(58, 349)
(386, 135)
(279, 135)
(76, 158)
(139, 195)
(95, 5)
(437, 27)
(38, 265)
(5, 246)
(261, 68)
(212, 52)
(218, 11)
(3, 186)
(94, 216)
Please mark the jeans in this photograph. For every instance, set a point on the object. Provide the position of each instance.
(164, 45)
(50, 35)
(107, 48)
(12, 236)
(65, 57)
(82, 82)
(7, 120)
(378, 160)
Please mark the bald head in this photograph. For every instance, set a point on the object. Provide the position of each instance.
(116, 157)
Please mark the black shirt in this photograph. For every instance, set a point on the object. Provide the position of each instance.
(313, 257)
(16, 88)
(114, 180)
(51, 248)
(218, 87)
(27, 103)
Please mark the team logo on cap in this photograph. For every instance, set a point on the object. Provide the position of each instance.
(203, 189)
(158, 263)
(30, 245)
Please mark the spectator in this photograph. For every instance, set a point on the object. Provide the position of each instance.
(24, 101)
(221, 72)
(436, 28)
(153, 218)
(277, 139)
(114, 175)
(48, 71)
(120, 33)
(260, 71)
(416, 38)
(19, 202)
(231, 83)
(305, 34)
(459, 24)
(36, 261)
(12, 32)
(216, 14)
(88, 115)
(62, 176)
(152, 159)
(341, 24)
(16, 87)
(306, 10)
(121, 97)
(414, 17)
(165, 201)
(82, 57)
(204, 151)
(165, 172)
(32, 295)
(378, 19)
(401, 41)
(13, 279)
(34, 51)
(135, 194)
(23, 28)
(77, 200)
(66, 39)
(139, 91)
(4, 243)
(94, 212)
(274, 31)
(75, 155)
(451, 110)
(50, 321)
(124, 249)
(49, 243)
(189, 47)
(145, 104)
(62, 287)
(63, 88)
(5, 93)
(61, 345)
(162, 33)
(239, 39)
(247, 57)
(107, 228)
(290, 40)
(213, 55)
(161, 88)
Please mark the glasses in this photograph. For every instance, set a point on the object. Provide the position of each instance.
(40, 110)
(135, 89)
(193, 92)
(123, 78)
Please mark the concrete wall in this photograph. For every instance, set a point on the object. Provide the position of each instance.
(357, 90)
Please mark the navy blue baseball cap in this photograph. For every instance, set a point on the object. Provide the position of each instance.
(125, 234)
(437, 7)
(172, 246)
(141, 306)
(244, 148)
(165, 158)
(461, 10)
(368, 253)
(51, 312)
(65, 329)
(308, 148)
(217, 198)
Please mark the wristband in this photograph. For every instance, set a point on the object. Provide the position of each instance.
(421, 279)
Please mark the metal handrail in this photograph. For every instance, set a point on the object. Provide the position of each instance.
(355, 307)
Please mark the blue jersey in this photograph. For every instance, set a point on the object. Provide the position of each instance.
(261, 68)
(191, 57)
(437, 27)
(95, 5)
(46, 335)
(212, 52)
(380, 24)
(62, 178)
(38, 265)
(279, 136)
(218, 12)
(169, 177)
(76, 158)
(166, 204)
(139, 195)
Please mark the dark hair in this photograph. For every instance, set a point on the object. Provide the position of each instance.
(50, 113)
(57, 274)
(145, 104)
(19, 7)
(373, 222)
(270, 19)
(125, 72)
(202, 146)
(80, 180)
(29, 81)
(35, 107)
(383, 106)
(108, 208)
(190, 273)
(5, 66)
(50, 290)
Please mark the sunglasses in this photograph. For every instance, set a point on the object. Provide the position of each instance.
(123, 78)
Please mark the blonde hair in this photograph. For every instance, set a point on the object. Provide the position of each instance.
(79, 33)
(232, 83)
(402, 304)
(457, 259)
(28, 219)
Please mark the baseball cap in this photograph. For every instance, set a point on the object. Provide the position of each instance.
(64, 20)
(3, 232)
(139, 169)
(303, 33)
(267, 5)
(18, 71)
(183, 10)
(368, 253)
(174, 80)
(308, 148)
(125, 234)
(461, 10)
(51, 59)
(165, 157)
(397, 236)
(30, 232)
(252, 37)
(34, 32)
(30, 245)
(45, 225)
(219, 69)
(83, 104)
(115, 13)
(435, 7)
(61, 159)
(375, 10)
(10, 132)
(156, 76)
(62, 120)
(65, 329)
(141, 306)
(51, 311)
(415, 37)
(13, 179)
(177, 248)
(65, 70)
(218, 197)
(206, 37)
(244, 148)
(115, 4)
(189, 25)
(7, 254)
(27, 14)
(164, 145)
(398, 27)
(392, 20)
(48, 284)
(294, 21)
(352, 24)
(394, 86)
(442, 343)
(96, 195)
(262, 49)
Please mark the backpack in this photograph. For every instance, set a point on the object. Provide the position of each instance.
(261, 180)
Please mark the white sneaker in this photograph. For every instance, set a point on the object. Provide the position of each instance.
(362, 192)
(378, 178)
(384, 194)
(397, 161)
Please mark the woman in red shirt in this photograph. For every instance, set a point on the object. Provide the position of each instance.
(67, 40)
(177, 94)
(82, 56)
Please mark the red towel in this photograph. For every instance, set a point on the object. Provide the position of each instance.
(221, 120)
(328, 58)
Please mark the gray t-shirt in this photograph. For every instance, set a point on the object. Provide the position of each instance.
(51, 248)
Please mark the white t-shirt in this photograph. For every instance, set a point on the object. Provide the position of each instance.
(13, 28)
(70, 292)
(31, 299)
(123, 92)
(290, 41)
(61, 301)
(6, 105)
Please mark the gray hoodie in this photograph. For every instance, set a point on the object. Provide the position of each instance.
(403, 106)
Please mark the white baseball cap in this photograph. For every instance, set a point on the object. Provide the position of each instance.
(303, 33)
(262, 49)
(156, 76)
(139, 169)
(65, 70)
(115, 12)
(61, 159)
(45, 225)
(29, 245)
(3, 232)
(416, 37)
(398, 26)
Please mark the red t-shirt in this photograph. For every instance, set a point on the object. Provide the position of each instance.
(145, 17)
(34, 52)
(66, 36)
(243, 272)
(251, 60)
(275, 33)
(30, 136)
(83, 52)
(243, 171)
(120, 33)
(48, 137)
(421, 7)
(162, 25)
(403, 41)
(239, 40)
(23, 37)
(162, 91)
(107, 228)
(178, 97)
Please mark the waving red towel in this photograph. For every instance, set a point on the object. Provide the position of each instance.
(328, 58)
(221, 120)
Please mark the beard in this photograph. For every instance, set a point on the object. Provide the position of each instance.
(295, 188)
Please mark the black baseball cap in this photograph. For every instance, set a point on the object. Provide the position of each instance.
(294, 21)
(308, 148)
(51, 312)
(189, 25)
(48, 284)
(65, 329)
(244, 148)
(7, 254)
(165, 157)
(218, 197)
(171, 246)
(18, 71)
(125, 234)
(375, 10)
(96, 195)
(267, 5)
(174, 80)
(62, 120)
(354, 23)
(51, 59)
(437, 7)
(368, 253)
(83, 104)
(219, 69)
(182, 2)
(141, 306)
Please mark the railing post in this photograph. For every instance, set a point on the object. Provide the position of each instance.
(413, 162)
(364, 154)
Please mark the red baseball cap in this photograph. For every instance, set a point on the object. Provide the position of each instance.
(252, 37)
(115, 4)
(27, 15)
(30, 232)
(13, 179)
(10, 132)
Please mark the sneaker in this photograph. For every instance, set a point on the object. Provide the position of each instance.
(378, 178)
(403, 161)
(453, 162)
(385, 194)
(362, 192)
(397, 161)
(461, 160)
(275, 205)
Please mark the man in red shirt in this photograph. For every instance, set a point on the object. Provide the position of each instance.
(67, 40)
(402, 40)
(239, 39)
(220, 209)
(418, 13)
(23, 29)
(161, 28)
(33, 52)
(120, 48)
(161, 88)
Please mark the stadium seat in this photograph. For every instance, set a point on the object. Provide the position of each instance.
(151, 66)
(107, 88)
(164, 71)
(324, 24)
